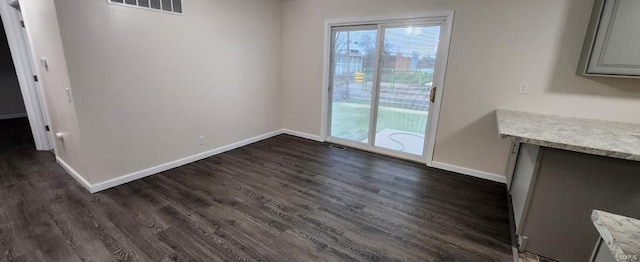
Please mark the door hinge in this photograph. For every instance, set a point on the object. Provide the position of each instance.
(22, 23)
(35, 78)
(47, 128)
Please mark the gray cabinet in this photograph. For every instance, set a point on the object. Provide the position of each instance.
(602, 253)
(511, 164)
(522, 186)
(612, 45)
(553, 193)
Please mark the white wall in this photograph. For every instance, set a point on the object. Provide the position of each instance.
(44, 35)
(11, 103)
(496, 45)
(147, 84)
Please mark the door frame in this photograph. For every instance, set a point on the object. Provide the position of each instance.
(445, 19)
(25, 66)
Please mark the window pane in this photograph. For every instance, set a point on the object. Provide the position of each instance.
(130, 2)
(354, 55)
(406, 79)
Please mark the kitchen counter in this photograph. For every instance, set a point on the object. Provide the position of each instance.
(621, 234)
(560, 169)
(597, 137)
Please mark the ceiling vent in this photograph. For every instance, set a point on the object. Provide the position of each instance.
(171, 6)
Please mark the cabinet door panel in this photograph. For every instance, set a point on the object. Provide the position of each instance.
(616, 45)
(522, 184)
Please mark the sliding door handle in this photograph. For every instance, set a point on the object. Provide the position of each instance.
(433, 94)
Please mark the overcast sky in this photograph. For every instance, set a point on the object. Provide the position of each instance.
(406, 40)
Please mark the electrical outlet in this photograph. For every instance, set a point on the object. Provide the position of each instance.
(201, 140)
(524, 89)
(67, 91)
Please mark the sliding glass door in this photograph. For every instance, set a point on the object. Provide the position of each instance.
(382, 85)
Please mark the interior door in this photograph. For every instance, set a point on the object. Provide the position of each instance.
(38, 96)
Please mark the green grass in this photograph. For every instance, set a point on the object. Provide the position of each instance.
(351, 121)
(400, 76)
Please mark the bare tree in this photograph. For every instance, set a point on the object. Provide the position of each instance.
(340, 49)
(427, 61)
(368, 42)
(340, 44)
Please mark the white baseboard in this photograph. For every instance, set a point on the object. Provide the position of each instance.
(93, 188)
(439, 165)
(301, 134)
(469, 172)
(73, 173)
(12, 116)
(177, 163)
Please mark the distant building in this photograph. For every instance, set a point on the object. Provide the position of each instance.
(349, 62)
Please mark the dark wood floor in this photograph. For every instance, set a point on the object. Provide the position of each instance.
(281, 199)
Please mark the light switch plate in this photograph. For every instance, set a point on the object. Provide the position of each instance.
(45, 63)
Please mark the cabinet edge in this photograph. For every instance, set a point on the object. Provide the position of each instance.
(589, 41)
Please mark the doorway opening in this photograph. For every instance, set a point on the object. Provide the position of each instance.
(385, 78)
(17, 50)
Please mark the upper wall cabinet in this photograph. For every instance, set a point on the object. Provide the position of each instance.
(612, 46)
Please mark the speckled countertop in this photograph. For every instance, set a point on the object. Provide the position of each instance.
(621, 234)
(597, 137)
